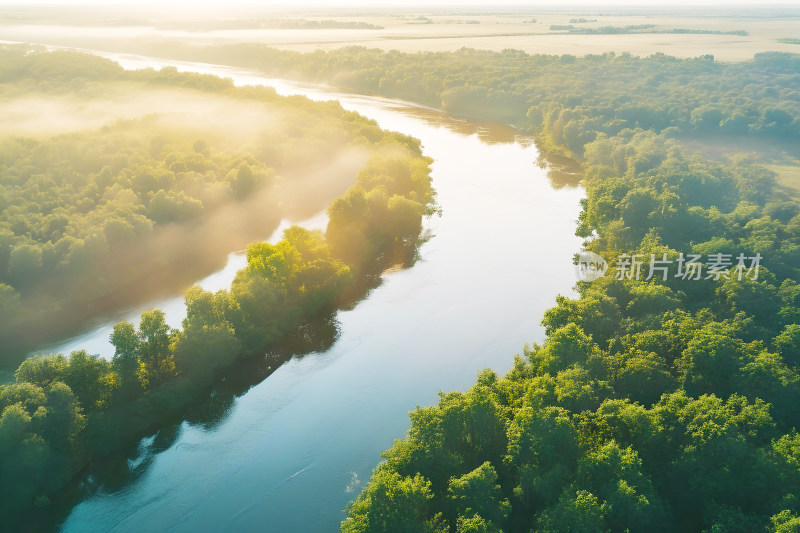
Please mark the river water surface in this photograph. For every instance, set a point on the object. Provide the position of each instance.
(290, 452)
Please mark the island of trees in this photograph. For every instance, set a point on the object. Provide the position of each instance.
(62, 412)
(182, 167)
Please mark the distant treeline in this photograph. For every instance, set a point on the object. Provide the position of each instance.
(741, 33)
(565, 100)
(274, 24)
(639, 28)
(63, 412)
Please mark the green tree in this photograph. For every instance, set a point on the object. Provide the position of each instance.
(28, 395)
(24, 458)
(392, 503)
(156, 361)
(576, 512)
(565, 347)
(65, 419)
(478, 492)
(786, 522)
(643, 378)
(787, 345)
(712, 360)
(42, 370)
(597, 314)
(126, 355)
(543, 449)
(614, 475)
(208, 341)
(85, 375)
(474, 524)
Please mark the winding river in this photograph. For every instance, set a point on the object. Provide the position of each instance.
(289, 452)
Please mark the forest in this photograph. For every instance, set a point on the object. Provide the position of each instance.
(659, 405)
(63, 411)
(665, 404)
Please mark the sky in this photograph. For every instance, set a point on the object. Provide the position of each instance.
(420, 4)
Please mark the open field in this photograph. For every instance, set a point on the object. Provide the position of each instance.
(408, 31)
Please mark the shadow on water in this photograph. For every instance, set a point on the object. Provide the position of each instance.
(125, 467)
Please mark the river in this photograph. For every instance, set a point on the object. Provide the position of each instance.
(288, 453)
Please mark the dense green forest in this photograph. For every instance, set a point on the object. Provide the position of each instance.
(154, 164)
(62, 412)
(652, 405)
(659, 405)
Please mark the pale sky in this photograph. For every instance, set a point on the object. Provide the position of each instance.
(662, 4)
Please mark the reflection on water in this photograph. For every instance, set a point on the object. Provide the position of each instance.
(285, 440)
(561, 171)
(122, 471)
(488, 132)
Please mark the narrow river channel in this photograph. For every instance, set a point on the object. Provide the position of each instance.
(288, 453)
